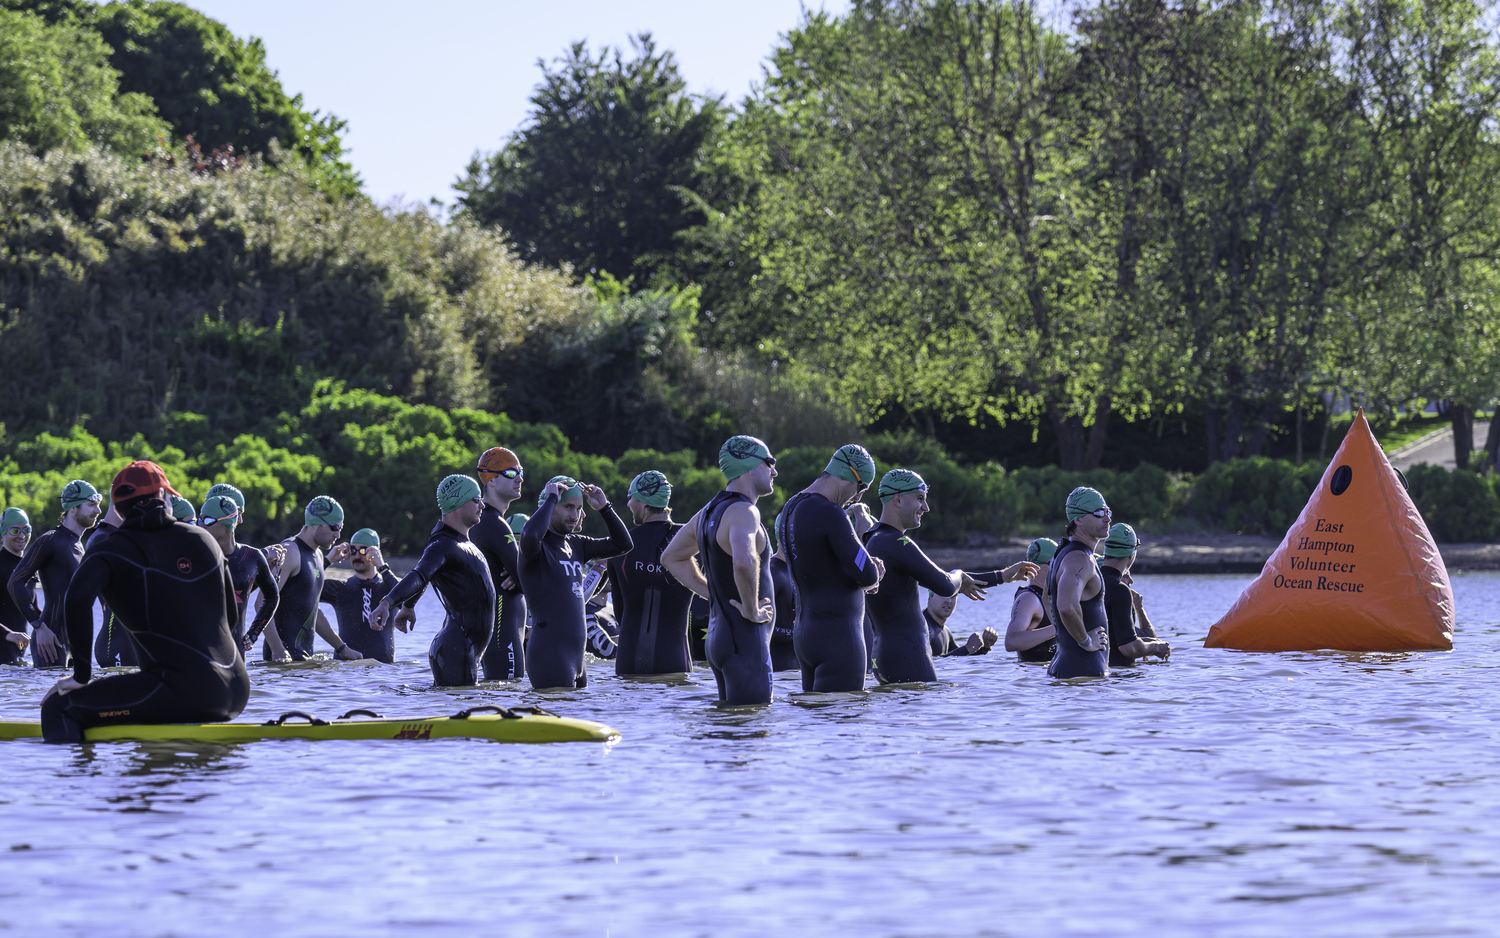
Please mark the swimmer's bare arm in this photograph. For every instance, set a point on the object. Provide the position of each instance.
(1074, 577)
(741, 529)
(681, 558)
(1024, 614)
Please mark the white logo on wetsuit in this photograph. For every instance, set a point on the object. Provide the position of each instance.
(367, 594)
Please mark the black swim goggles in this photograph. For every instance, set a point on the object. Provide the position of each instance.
(360, 550)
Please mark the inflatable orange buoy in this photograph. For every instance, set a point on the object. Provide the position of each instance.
(1357, 572)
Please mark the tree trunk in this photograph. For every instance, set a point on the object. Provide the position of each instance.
(1298, 418)
(1095, 452)
(1070, 443)
(1492, 445)
(1462, 418)
(1234, 428)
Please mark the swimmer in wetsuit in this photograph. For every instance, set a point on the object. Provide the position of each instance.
(461, 575)
(554, 561)
(783, 652)
(354, 600)
(937, 612)
(903, 648)
(1126, 645)
(500, 474)
(651, 608)
(1030, 633)
(299, 586)
(248, 567)
(1075, 590)
(15, 531)
(832, 571)
(52, 558)
(166, 581)
(735, 575)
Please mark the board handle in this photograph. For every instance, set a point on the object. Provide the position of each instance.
(361, 712)
(486, 708)
(295, 713)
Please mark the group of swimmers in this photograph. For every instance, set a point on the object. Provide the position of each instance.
(837, 599)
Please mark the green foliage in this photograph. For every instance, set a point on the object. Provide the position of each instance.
(1255, 495)
(1458, 505)
(1144, 497)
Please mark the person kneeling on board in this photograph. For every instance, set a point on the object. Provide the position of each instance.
(1121, 603)
(166, 582)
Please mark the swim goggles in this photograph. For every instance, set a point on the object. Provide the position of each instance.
(514, 472)
(227, 519)
(19, 530)
(1102, 512)
(360, 550)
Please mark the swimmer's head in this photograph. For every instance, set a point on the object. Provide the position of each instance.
(364, 547)
(904, 494)
(325, 517)
(941, 607)
(1087, 512)
(853, 463)
(219, 510)
(748, 456)
(650, 494)
(1122, 541)
(456, 491)
(15, 530)
(518, 521)
(229, 491)
(1041, 551)
(81, 500)
(140, 486)
(574, 490)
(500, 469)
(182, 509)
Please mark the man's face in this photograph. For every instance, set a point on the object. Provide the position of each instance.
(763, 479)
(326, 535)
(942, 606)
(362, 559)
(1094, 526)
(469, 512)
(16, 538)
(567, 517)
(640, 511)
(910, 507)
(506, 489)
(86, 514)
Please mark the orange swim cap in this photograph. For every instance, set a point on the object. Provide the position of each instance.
(495, 461)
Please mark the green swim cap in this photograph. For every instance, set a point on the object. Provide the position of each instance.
(651, 488)
(456, 491)
(1041, 550)
(182, 509)
(852, 463)
(740, 454)
(79, 492)
(574, 488)
(219, 507)
(13, 517)
(224, 488)
(518, 521)
(323, 510)
(365, 537)
(1083, 501)
(1122, 541)
(900, 482)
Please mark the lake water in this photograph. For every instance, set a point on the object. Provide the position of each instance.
(1221, 793)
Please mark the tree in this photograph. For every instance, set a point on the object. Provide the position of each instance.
(607, 173)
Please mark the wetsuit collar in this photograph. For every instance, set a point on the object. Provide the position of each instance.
(299, 540)
(149, 519)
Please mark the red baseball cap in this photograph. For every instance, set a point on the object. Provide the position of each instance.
(141, 477)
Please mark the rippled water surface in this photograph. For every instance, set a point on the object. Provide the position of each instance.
(1220, 793)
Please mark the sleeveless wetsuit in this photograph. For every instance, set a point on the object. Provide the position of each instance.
(831, 570)
(52, 558)
(167, 583)
(1119, 609)
(783, 652)
(1070, 659)
(552, 571)
(248, 571)
(651, 608)
(296, 614)
(903, 649)
(353, 600)
(11, 615)
(505, 656)
(944, 645)
(112, 645)
(739, 651)
(1038, 653)
(458, 570)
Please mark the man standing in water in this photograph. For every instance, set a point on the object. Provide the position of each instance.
(651, 608)
(735, 576)
(52, 558)
(554, 559)
(15, 531)
(354, 600)
(937, 612)
(248, 570)
(501, 475)
(299, 585)
(1125, 643)
(1031, 634)
(1075, 590)
(832, 571)
(167, 583)
(452, 564)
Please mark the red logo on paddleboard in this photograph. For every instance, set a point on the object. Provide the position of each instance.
(184, 565)
(415, 731)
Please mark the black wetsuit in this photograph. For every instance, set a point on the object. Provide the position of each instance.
(11, 615)
(739, 651)
(52, 558)
(831, 570)
(552, 571)
(783, 652)
(296, 614)
(944, 645)
(603, 635)
(1119, 609)
(505, 656)
(651, 608)
(353, 600)
(452, 563)
(1038, 653)
(1071, 660)
(249, 570)
(167, 582)
(903, 649)
(698, 628)
(112, 646)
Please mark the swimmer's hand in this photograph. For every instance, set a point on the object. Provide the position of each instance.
(764, 614)
(47, 647)
(1024, 570)
(1095, 641)
(18, 639)
(347, 653)
(339, 552)
(990, 637)
(970, 587)
(555, 488)
(879, 575)
(378, 617)
(405, 619)
(275, 554)
(509, 583)
(595, 496)
(65, 686)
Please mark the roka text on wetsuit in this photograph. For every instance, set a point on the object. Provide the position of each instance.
(1044, 652)
(11, 615)
(831, 570)
(505, 656)
(353, 600)
(112, 645)
(459, 572)
(1071, 660)
(903, 648)
(249, 571)
(651, 608)
(52, 558)
(739, 651)
(296, 613)
(783, 653)
(167, 583)
(552, 571)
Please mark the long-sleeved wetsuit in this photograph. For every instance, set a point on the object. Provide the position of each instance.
(452, 564)
(552, 571)
(944, 645)
(739, 651)
(249, 570)
(1038, 653)
(831, 570)
(651, 608)
(167, 583)
(52, 558)
(112, 645)
(783, 652)
(903, 648)
(12, 616)
(353, 600)
(296, 613)
(505, 656)
(1070, 659)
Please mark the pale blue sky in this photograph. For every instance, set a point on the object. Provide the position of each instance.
(423, 85)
